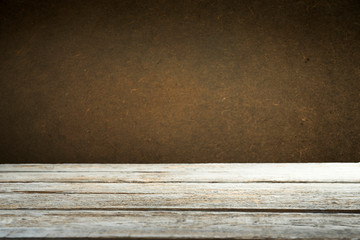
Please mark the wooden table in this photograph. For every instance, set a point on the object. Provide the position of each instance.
(237, 201)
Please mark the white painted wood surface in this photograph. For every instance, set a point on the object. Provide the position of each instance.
(176, 224)
(236, 201)
(250, 172)
(180, 195)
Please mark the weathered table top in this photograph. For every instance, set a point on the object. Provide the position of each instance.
(237, 201)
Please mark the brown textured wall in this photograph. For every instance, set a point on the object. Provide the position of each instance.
(179, 81)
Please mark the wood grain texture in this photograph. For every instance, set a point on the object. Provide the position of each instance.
(310, 172)
(175, 224)
(278, 167)
(235, 201)
(180, 195)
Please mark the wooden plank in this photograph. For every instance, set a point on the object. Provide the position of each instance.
(180, 195)
(307, 172)
(172, 225)
(182, 188)
(238, 201)
(178, 167)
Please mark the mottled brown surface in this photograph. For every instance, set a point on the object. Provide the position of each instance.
(179, 81)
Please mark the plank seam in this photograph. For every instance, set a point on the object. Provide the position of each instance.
(144, 182)
(257, 210)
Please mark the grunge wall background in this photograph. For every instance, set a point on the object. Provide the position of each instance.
(179, 81)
